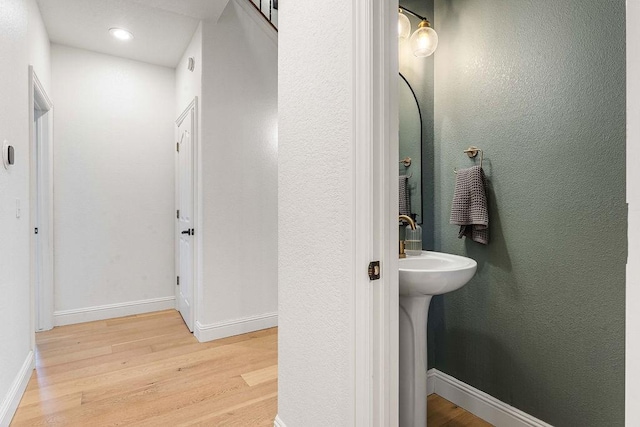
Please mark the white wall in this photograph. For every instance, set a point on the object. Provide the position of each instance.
(39, 46)
(189, 83)
(632, 363)
(316, 211)
(239, 173)
(114, 185)
(23, 41)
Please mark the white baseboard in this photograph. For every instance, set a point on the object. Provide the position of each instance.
(111, 311)
(431, 381)
(278, 422)
(215, 331)
(478, 402)
(18, 386)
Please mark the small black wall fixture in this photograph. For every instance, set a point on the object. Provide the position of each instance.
(8, 155)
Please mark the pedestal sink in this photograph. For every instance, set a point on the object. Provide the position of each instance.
(422, 277)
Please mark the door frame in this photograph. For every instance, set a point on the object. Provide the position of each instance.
(376, 334)
(197, 213)
(42, 303)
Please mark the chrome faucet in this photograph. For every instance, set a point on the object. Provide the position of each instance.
(412, 224)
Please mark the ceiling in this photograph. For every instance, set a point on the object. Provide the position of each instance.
(161, 29)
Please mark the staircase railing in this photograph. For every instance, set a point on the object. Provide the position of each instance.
(268, 9)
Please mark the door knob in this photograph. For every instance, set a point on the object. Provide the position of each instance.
(186, 232)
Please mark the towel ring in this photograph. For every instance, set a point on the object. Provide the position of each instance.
(472, 152)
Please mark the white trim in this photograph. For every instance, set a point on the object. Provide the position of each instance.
(385, 175)
(375, 232)
(41, 316)
(18, 386)
(198, 215)
(363, 213)
(278, 422)
(431, 381)
(228, 328)
(260, 20)
(478, 402)
(111, 311)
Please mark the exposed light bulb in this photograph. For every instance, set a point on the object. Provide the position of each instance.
(404, 26)
(424, 41)
(121, 34)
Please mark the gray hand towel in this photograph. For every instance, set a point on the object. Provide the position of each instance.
(404, 202)
(469, 208)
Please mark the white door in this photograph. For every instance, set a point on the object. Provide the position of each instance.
(185, 229)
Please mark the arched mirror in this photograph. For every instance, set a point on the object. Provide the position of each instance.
(411, 144)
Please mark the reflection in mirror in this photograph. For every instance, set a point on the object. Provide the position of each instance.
(411, 144)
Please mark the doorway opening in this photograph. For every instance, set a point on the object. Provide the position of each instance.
(186, 213)
(41, 201)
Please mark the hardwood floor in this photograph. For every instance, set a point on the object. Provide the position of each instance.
(148, 370)
(441, 412)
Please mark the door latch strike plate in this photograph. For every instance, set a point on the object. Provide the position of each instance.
(374, 270)
(36, 230)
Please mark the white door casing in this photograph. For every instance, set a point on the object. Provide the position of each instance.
(186, 136)
(41, 203)
(376, 142)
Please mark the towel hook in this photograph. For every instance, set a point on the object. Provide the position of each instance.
(406, 162)
(472, 152)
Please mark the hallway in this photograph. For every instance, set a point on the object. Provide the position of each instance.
(149, 370)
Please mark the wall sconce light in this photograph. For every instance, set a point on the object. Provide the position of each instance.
(424, 41)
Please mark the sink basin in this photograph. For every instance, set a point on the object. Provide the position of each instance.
(434, 273)
(422, 277)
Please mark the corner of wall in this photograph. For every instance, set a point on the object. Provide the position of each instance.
(11, 401)
(278, 422)
(39, 46)
(218, 330)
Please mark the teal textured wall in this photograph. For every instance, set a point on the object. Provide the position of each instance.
(540, 86)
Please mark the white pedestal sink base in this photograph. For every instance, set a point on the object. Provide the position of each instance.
(414, 311)
(421, 277)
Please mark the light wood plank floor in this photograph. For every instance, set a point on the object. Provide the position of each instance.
(441, 412)
(148, 370)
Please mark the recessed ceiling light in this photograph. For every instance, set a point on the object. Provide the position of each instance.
(121, 34)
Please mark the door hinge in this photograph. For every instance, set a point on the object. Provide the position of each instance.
(178, 214)
(178, 147)
(36, 230)
(374, 270)
(177, 280)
